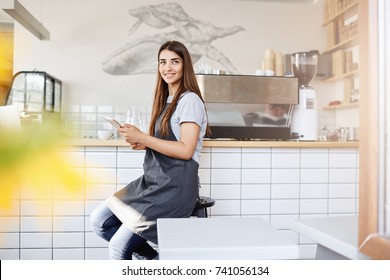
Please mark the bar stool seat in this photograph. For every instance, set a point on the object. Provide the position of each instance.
(201, 206)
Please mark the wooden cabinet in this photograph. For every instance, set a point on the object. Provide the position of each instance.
(341, 22)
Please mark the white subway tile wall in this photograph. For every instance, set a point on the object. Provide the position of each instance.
(275, 184)
(83, 121)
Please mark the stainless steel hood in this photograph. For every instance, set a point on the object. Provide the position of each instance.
(248, 107)
(309, 2)
(248, 89)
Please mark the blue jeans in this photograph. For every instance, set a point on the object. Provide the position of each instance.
(123, 243)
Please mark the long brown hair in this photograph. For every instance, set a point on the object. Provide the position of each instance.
(187, 83)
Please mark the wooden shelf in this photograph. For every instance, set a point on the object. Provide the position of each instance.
(342, 106)
(347, 12)
(336, 27)
(344, 45)
(341, 77)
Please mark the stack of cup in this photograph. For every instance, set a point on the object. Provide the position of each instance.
(269, 62)
(272, 65)
(279, 67)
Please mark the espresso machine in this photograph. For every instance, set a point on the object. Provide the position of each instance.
(304, 125)
(247, 107)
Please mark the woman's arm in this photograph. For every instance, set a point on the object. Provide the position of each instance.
(183, 149)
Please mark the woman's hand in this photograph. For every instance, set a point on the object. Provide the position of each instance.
(182, 149)
(132, 135)
(137, 146)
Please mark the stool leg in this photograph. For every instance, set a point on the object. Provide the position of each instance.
(202, 213)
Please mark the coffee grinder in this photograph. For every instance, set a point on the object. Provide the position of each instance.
(304, 125)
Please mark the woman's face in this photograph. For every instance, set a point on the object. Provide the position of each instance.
(170, 68)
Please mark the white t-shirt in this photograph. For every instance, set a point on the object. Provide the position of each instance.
(190, 108)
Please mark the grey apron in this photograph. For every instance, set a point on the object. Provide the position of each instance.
(169, 188)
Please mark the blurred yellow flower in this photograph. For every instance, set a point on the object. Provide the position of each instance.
(31, 157)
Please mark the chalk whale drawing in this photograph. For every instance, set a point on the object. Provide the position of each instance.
(138, 56)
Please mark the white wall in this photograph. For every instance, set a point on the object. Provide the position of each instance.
(83, 33)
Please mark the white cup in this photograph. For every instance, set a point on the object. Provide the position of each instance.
(105, 134)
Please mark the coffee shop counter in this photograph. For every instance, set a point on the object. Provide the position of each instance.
(274, 180)
(230, 143)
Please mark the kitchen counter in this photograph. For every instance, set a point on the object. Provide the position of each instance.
(229, 143)
(273, 180)
(337, 237)
(228, 238)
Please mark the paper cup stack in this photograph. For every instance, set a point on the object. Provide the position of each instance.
(272, 64)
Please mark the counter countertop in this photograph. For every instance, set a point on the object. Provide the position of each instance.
(339, 234)
(228, 143)
(229, 238)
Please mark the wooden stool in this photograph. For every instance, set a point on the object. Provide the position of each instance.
(201, 206)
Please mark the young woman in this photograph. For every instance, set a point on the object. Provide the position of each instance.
(170, 184)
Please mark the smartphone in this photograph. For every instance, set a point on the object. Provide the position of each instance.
(113, 122)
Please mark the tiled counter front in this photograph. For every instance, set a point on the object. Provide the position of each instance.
(277, 184)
